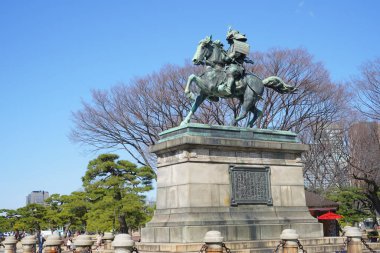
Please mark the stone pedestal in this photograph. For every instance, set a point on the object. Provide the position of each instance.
(108, 237)
(53, 244)
(290, 238)
(213, 242)
(123, 243)
(10, 244)
(246, 183)
(29, 244)
(83, 243)
(354, 236)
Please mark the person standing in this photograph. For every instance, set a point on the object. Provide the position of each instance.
(40, 240)
(68, 244)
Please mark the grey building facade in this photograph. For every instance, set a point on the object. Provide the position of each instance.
(37, 197)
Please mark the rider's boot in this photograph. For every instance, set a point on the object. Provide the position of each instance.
(229, 84)
(225, 88)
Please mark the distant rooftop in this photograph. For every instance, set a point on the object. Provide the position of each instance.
(314, 200)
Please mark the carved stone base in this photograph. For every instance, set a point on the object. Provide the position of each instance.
(246, 183)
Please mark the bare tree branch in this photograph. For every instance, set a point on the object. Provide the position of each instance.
(368, 89)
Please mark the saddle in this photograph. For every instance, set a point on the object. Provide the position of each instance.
(218, 76)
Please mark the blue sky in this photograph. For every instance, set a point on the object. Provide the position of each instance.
(52, 53)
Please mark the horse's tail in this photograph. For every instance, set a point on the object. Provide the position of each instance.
(276, 83)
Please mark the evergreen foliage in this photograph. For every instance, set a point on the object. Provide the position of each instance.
(112, 200)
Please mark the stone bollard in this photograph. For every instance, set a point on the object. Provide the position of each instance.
(290, 238)
(108, 237)
(213, 242)
(354, 237)
(83, 243)
(10, 244)
(344, 230)
(53, 244)
(123, 243)
(29, 244)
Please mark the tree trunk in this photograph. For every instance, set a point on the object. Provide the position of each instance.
(37, 227)
(67, 226)
(375, 201)
(123, 224)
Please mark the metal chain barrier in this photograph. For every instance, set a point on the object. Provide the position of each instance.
(225, 247)
(203, 248)
(281, 244)
(367, 246)
(345, 243)
(301, 246)
(134, 249)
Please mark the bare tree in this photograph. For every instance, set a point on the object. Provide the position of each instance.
(364, 137)
(326, 163)
(131, 116)
(364, 159)
(368, 88)
(351, 151)
(317, 101)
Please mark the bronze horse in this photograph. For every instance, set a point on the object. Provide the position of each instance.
(249, 89)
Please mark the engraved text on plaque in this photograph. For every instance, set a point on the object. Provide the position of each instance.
(250, 185)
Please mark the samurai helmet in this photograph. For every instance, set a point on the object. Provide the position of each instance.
(235, 35)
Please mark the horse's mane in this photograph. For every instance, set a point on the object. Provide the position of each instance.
(218, 53)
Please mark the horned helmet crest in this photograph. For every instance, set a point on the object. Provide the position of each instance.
(235, 35)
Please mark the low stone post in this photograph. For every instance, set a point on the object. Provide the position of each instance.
(123, 243)
(354, 237)
(108, 237)
(10, 244)
(290, 238)
(213, 242)
(83, 243)
(29, 244)
(53, 244)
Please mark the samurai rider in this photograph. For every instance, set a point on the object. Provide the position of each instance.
(235, 57)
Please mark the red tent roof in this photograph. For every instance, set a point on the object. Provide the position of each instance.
(330, 216)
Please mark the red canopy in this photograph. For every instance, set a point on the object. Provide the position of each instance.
(330, 216)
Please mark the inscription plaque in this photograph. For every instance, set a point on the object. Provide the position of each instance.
(250, 185)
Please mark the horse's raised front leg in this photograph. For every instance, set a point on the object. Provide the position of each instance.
(198, 101)
(188, 93)
(202, 85)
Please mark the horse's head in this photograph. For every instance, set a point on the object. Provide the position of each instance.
(204, 50)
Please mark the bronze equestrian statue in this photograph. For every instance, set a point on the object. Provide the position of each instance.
(226, 77)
